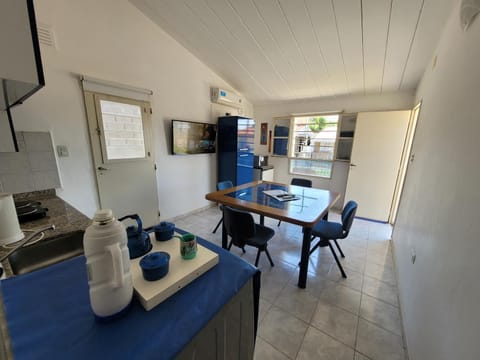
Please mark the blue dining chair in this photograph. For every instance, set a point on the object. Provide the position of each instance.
(222, 185)
(328, 231)
(299, 182)
(243, 230)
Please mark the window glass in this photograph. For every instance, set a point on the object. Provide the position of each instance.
(313, 139)
(123, 130)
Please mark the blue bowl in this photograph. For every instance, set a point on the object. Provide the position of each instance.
(164, 231)
(155, 265)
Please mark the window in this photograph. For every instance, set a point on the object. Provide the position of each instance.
(313, 145)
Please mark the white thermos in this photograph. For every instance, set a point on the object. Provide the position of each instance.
(108, 266)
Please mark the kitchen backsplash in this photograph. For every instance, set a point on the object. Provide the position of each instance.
(32, 168)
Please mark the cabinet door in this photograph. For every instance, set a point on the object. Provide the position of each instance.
(376, 155)
(244, 174)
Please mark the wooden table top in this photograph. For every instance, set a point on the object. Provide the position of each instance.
(311, 206)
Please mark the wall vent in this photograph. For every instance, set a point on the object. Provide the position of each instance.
(46, 35)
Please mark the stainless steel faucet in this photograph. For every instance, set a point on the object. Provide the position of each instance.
(23, 242)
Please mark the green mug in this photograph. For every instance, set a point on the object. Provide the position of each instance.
(188, 246)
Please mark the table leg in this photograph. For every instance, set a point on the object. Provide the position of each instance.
(224, 236)
(302, 278)
(262, 220)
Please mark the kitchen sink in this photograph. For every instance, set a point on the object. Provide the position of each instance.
(47, 252)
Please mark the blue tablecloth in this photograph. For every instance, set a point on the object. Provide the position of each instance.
(49, 315)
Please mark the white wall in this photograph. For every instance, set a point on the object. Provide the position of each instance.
(113, 40)
(439, 209)
(266, 112)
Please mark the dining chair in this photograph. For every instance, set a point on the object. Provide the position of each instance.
(243, 230)
(222, 185)
(299, 182)
(328, 231)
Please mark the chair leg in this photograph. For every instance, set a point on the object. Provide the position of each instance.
(230, 245)
(315, 247)
(258, 257)
(243, 249)
(336, 259)
(216, 227)
(339, 249)
(269, 258)
(279, 222)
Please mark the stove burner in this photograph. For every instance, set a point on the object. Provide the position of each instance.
(28, 210)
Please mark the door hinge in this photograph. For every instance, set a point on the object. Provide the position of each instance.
(98, 131)
(151, 112)
(158, 213)
(155, 167)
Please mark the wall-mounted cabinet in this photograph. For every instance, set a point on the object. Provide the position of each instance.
(346, 132)
(281, 131)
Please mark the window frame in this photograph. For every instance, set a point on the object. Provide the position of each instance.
(292, 140)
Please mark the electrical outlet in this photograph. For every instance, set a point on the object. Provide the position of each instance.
(413, 254)
(62, 150)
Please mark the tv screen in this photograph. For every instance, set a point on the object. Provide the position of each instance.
(190, 137)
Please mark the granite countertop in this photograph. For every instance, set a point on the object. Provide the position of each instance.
(65, 217)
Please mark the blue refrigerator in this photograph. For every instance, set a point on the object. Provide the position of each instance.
(235, 149)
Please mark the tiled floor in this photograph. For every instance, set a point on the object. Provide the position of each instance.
(333, 318)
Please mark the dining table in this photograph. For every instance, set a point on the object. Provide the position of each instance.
(296, 205)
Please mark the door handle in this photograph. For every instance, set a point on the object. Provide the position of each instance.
(352, 165)
(101, 168)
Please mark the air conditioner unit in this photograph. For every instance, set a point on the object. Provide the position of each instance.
(226, 97)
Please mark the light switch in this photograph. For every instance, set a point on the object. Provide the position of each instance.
(62, 150)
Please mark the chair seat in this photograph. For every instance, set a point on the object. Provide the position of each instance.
(262, 235)
(328, 230)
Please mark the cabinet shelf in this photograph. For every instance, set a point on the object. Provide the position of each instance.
(346, 133)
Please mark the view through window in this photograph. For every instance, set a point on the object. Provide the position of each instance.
(313, 145)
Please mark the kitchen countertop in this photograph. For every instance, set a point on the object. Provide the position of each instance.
(64, 216)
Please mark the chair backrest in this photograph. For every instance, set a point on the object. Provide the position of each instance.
(222, 185)
(301, 182)
(348, 214)
(239, 224)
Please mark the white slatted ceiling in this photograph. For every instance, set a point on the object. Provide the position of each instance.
(274, 50)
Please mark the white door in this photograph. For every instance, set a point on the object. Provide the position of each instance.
(374, 166)
(120, 133)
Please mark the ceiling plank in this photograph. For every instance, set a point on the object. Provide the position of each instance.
(349, 26)
(300, 24)
(376, 17)
(325, 28)
(403, 23)
(272, 15)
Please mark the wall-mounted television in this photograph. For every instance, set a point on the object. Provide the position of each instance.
(189, 137)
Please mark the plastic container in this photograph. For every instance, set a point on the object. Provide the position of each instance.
(108, 266)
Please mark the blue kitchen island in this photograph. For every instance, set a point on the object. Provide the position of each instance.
(48, 316)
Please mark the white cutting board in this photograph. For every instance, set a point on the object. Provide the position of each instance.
(181, 272)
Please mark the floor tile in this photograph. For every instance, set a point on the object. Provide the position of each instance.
(298, 302)
(263, 308)
(377, 343)
(338, 323)
(385, 315)
(359, 356)
(342, 297)
(318, 345)
(379, 272)
(283, 331)
(380, 290)
(354, 278)
(265, 351)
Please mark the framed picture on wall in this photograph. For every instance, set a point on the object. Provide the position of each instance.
(263, 133)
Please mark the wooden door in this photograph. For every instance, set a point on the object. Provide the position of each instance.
(375, 162)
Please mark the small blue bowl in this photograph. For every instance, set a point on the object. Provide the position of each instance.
(164, 231)
(155, 265)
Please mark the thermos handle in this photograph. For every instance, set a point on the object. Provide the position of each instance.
(117, 261)
(134, 217)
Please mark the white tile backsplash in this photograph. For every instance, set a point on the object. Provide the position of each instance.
(34, 167)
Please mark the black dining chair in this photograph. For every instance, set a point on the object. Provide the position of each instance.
(328, 231)
(222, 185)
(299, 182)
(243, 230)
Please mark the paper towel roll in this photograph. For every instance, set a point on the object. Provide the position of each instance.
(9, 227)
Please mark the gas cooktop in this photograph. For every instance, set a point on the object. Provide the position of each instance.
(29, 210)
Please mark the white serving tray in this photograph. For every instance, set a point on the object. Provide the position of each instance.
(181, 272)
